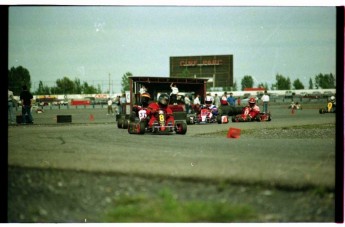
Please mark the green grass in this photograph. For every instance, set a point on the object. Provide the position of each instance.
(167, 208)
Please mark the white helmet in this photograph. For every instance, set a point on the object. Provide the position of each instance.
(332, 98)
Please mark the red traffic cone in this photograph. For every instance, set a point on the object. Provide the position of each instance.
(234, 133)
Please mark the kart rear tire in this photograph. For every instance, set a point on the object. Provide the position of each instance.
(120, 123)
(219, 119)
(142, 127)
(181, 128)
(322, 111)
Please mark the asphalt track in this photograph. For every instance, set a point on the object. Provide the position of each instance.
(92, 142)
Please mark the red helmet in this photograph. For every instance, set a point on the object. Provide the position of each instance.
(252, 101)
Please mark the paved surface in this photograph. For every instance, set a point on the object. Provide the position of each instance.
(92, 142)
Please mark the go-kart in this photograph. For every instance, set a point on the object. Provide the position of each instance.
(329, 109)
(246, 118)
(207, 115)
(159, 126)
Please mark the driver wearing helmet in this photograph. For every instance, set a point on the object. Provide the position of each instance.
(162, 104)
(140, 111)
(251, 110)
(331, 104)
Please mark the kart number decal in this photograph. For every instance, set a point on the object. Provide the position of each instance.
(329, 106)
(161, 117)
(142, 114)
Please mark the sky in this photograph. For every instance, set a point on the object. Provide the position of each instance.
(98, 43)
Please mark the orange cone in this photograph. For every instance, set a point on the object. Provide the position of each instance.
(234, 133)
(91, 118)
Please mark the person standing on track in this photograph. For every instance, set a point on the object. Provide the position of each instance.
(265, 100)
(11, 103)
(110, 107)
(26, 98)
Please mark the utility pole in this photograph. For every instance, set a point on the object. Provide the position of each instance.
(109, 84)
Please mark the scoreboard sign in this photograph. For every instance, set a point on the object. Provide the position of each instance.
(219, 68)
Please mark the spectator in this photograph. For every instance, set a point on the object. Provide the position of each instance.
(223, 100)
(26, 99)
(196, 104)
(265, 100)
(173, 94)
(110, 107)
(216, 100)
(11, 103)
(117, 105)
(187, 103)
(122, 103)
(142, 90)
(208, 99)
(231, 100)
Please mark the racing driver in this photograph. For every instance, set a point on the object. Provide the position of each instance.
(162, 104)
(251, 110)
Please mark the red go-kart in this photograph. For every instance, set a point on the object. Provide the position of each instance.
(208, 115)
(160, 124)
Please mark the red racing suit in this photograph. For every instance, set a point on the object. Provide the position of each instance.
(153, 109)
(250, 113)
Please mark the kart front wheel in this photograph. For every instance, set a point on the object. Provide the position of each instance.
(181, 128)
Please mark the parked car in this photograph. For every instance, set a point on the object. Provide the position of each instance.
(327, 94)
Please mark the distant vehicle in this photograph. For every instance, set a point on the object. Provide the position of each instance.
(289, 95)
(303, 94)
(315, 95)
(327, 94)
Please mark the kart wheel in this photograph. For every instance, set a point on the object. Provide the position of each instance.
(142, 127)
(131, 128)
(190, 120)
(322, 111)
(125, 123)
(219, 119)
(233, 119)
(181, 128)
(120, 123)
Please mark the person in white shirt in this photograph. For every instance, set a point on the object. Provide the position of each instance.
(196, 104)
(173, 94)
(142, 90)
(187, 103)
(265, 100)
(10, 106)
(110, 106)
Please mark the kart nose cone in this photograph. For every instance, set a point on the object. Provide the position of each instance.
(163, 128)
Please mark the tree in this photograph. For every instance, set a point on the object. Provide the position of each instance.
(17, 77)
(298, 84)
(311, 86)
(78, 88)
(90, 89)
(42, 90)
(263, 85)
(282, 82)
(125, 82)
(64, 86)
(247, 82)
(325, 81)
